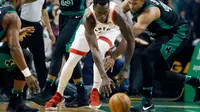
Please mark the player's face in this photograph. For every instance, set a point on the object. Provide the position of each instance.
(101, 12)
(135, 5)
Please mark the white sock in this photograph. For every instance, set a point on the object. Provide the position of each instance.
(66, 72)
(97, 78)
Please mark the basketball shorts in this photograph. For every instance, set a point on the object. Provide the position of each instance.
(80, 45)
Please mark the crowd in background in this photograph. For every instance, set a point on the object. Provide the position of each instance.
(188, 9)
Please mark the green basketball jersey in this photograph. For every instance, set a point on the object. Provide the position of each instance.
(169, 21)
(72, 6)
(3, 11)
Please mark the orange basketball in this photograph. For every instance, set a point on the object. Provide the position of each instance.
(119, 102)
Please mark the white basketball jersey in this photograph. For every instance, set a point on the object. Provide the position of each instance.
(101, 28)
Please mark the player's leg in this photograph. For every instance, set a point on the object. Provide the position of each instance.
(16, 103)
(78, 49)
(80, 100)
(66, 74)
(158, 53)
(94, 94)
(105, 42)
(184, 79)
(68, 30)
(148, 58)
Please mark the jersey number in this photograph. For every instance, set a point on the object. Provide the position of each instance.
(67, 3)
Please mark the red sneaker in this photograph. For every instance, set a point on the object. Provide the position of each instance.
(95, 101)
(53, 102)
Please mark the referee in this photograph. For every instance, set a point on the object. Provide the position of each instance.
(31, 15)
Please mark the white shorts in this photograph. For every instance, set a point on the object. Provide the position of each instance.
(81, 47)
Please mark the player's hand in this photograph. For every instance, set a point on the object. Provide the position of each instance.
(106, 88)
(141, 41)
(52, 37)
(109, 63)
(26, 31)
(33, 84)
(123, 75)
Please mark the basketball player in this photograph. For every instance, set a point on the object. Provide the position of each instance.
(12, 59)
(69, 20)
(102, 23)
(171, 35)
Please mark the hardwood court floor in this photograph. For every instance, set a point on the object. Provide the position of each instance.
(160, 107)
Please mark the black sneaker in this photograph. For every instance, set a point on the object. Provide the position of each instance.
(77, 100)
(42, 97)
(82, 98)
(71, 101)
(16, 104)
(146, 105)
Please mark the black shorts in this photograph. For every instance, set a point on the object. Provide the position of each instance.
(68, 25)
(165, 47)
(6, 61)
(7, 65)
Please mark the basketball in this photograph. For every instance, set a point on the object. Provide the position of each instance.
(119, 102)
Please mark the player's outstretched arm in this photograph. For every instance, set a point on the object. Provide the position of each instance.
(127, 34)
(13, 23)
(145, 19)
(89, 23)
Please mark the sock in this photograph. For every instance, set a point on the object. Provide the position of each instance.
(97, 78)
(193, 81)
(16, 97)
(14, 91)
(50, 80)
(78, 82)
(66, 72)
(48, 84)
(147, 92)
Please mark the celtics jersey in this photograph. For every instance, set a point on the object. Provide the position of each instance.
(6, 61)
(69, 7)
(3, 11)
(168, 22)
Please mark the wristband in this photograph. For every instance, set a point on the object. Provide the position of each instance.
(26, 72)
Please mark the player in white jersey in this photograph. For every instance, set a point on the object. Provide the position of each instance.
(102, 23)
